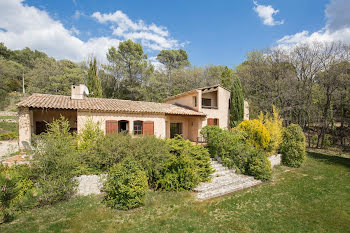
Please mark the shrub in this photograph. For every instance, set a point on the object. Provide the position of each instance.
(259, 166)
(17, 190)
(273, 125)
(293, 146)
(211, 134)
(107, 151)
(198, 154)
(7, 194)
(256, 132)
(90, 134)
(126, 185)
(55, 160)
(153, 154)
(187, 167)
(236, 153)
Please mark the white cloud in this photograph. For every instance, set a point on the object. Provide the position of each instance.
(337, 27)
(37, 30)
(266, 13)
(150, 36)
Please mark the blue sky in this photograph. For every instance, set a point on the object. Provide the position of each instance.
(212, 32)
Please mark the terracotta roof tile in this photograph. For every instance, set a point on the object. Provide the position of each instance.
(101, 104)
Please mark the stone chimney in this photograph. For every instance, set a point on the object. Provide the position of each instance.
(79, 92)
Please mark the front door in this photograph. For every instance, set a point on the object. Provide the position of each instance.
(175, 129)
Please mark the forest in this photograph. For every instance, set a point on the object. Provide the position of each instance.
(308, 83)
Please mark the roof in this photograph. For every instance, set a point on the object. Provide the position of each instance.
(101, 104)
(192, 91)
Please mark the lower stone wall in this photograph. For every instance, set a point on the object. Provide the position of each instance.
(90, 184)
(275, 160)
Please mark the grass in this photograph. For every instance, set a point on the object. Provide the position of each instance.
(8, 126)
(313, 198)
(8, 117)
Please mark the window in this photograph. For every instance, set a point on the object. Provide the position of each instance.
(216, 121)
(138, 127)
(206, 102)
(123, 126)
(175, 129)
(195, 101)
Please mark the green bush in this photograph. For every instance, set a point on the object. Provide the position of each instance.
(55, 161)
(126, 185)
(107, 151)
(256, 132)
(234, 151)
(188, 166)
(153, 154)
(259, 166)
(17, 190)
(293, 146)
(211, 133)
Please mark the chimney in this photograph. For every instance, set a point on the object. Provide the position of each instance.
(79, 91)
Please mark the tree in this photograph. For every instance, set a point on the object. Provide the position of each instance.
(130, 68)
(173, 59)
(94, 81)
(237, 103)
(226, 78)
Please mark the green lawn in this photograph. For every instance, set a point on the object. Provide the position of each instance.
(314, 198)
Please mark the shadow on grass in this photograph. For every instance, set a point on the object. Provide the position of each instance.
(330, 159)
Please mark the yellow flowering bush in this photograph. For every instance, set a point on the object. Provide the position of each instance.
(257, 134)
(273, 124)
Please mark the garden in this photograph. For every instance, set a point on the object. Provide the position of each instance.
(136, 167)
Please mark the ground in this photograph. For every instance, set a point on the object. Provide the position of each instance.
(313, 198)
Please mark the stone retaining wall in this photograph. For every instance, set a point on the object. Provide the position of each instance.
(90, 184)
(275, 160)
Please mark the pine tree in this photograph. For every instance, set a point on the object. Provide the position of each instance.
(94, 82)
(237, 103)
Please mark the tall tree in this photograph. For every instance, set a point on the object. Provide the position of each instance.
(94, 81)
(130, 68)
(237, 103)
(226, 78)
(173, 59)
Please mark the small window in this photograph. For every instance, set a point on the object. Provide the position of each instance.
(216, 121)
(138, 127)
(206, 102)
(195, 101)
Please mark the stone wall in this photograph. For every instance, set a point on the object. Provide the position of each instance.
(275, 160)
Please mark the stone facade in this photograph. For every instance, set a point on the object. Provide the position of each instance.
(102, 117)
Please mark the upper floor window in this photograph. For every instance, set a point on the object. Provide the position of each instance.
(195, 101)
(206, 102)
(138, 127)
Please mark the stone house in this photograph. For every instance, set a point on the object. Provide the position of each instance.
(185, 114)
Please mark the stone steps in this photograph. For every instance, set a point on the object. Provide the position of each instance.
(224, 181)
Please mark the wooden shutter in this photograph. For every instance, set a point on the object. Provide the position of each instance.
(111, 127)
(210, 121)
(148, 128)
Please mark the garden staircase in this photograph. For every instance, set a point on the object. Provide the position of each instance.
(224, 181)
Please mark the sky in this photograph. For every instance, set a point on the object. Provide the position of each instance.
(217, 32)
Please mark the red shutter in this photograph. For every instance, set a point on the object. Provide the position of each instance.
(148, 128)
(111, 127)
(210, 121)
